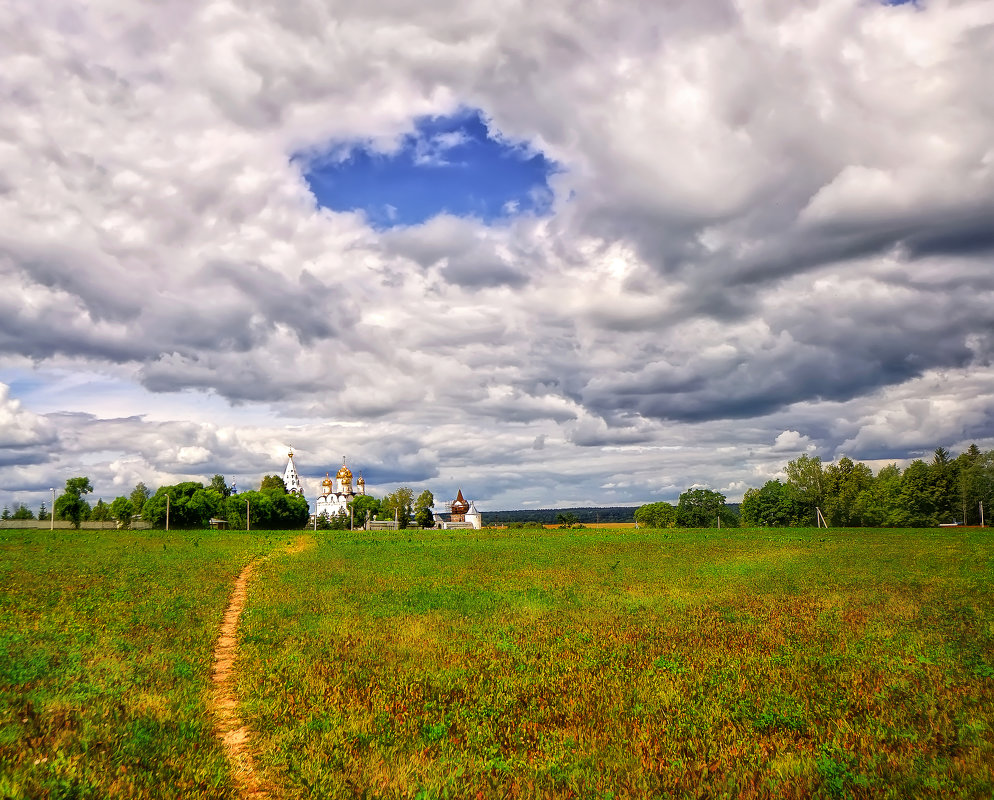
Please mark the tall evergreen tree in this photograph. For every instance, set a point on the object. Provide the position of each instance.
(943, 486)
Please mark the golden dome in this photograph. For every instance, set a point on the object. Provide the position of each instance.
(326, 481)
(361, 481)
(344, 474)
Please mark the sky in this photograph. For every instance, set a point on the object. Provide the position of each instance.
(555, 254)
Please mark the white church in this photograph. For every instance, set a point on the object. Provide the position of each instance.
(338, 492)
(335, 494)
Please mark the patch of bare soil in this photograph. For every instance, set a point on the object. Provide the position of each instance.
(229, 725)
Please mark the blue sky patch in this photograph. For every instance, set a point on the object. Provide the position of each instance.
(448, 165)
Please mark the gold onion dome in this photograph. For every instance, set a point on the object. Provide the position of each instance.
(344, 474)
(327, 480)
(361, 481)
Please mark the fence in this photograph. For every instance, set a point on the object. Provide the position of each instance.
(61, 524)
(382, 525)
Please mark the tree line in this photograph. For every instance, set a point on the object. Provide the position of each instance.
(696, 508)
(942, 490)
(192, 505)
(539, 516)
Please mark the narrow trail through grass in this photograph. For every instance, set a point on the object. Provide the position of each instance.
(230, 727)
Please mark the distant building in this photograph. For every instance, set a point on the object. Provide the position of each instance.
(458, 513)
(336, 494)
(290, 477)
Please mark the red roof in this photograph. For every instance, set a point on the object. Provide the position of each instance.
(459, 505)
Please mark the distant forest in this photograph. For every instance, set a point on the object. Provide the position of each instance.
(549, 516)
(946, 489)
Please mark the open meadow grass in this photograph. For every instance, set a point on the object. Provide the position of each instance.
(589, 663)
(787, 663)
(106, 641)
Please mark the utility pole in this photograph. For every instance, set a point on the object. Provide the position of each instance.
(52, 514)
(167, 511)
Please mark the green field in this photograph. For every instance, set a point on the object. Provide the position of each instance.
(106, 642)
(782, 663)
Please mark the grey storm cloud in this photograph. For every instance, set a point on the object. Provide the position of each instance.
(464, 253)
(770, 234)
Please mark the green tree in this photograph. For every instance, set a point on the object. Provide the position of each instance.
(916, 508)
(943, 485)
(775, 505)
(969, 484)
(6, 513)
(189, 506)
(273, 483)
(423, 516)
(364, 507)
(70, 504)
(702, 508)
(985, 485)
(100, 512)
(139, 495)
(322, 522)
(268, 510)
(879, 505)
(336, 522)
(218, 485)
(567, 519)
(844, 480)
(43, 512)
(122, 510)
(291, 512)
(656, 515)
(806, 474)
(205, 504)
(22, 512)
(398, 506)
(256, 505)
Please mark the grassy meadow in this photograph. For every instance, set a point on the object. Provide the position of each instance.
(591, 663)
(106, 641)
(604, 664)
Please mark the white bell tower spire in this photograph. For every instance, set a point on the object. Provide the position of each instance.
(290, 477)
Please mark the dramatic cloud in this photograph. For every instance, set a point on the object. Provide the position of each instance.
(681, 244)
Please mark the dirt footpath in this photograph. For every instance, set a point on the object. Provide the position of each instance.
(229, 725)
